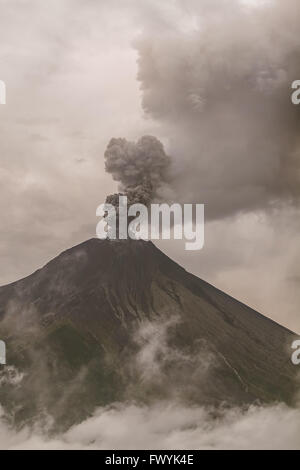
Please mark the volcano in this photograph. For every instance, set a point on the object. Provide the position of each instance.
(75, 337)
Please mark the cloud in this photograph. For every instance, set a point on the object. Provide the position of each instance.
(221, 94)
(11, 376)
(163, 368)
(171, 420)
(169, 425)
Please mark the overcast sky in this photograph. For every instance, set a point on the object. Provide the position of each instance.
(210, 78)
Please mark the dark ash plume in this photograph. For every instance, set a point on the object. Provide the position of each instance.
(141, 168)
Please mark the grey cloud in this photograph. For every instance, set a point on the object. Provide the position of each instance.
(141, 168)
(221, 92)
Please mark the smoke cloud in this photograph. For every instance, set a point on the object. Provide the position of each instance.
(141, 168)
(219, 85)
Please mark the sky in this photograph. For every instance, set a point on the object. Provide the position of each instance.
(211, 79)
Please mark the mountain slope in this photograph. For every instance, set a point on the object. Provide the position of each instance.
(90, 327)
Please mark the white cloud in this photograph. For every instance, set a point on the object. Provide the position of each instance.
(169, 425)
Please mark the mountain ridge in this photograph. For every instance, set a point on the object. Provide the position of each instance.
(94, 239)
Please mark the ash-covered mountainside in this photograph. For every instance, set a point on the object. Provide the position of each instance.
(97, 323)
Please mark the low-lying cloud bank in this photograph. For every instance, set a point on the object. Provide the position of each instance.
(169, 425)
